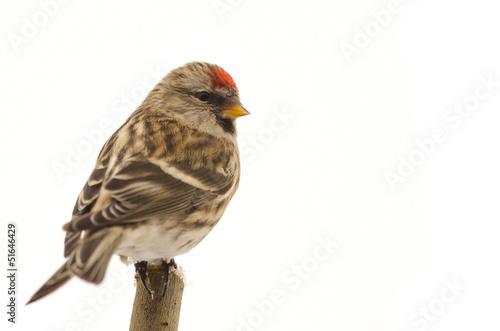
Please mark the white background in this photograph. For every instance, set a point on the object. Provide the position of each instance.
(317, 175)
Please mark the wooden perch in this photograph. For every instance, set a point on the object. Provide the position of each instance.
(157, 313)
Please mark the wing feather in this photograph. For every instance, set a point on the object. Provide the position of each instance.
(86, 200)
(143, 189)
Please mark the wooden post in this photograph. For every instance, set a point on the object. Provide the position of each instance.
(157, 313)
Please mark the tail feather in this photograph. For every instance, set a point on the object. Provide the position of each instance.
(91, 259)
(71, 242)
(57, 280)
(88, 260)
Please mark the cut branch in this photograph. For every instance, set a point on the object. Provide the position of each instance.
(158, 313)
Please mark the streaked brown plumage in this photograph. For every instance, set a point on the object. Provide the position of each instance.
(161, 181)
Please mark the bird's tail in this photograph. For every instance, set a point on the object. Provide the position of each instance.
(88, 260)
(57, 280)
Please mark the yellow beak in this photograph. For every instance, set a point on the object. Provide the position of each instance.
(233, 111)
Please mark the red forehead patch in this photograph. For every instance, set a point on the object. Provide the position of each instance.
(220, 78)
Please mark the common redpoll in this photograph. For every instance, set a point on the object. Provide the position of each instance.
(161, 182)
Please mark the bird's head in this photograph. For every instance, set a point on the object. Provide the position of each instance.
(203, 96)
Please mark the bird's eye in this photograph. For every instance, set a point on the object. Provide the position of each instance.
(203, 96)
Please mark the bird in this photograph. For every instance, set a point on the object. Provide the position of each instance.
(161, 182)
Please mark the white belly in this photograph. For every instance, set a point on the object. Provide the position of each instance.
(153, 241)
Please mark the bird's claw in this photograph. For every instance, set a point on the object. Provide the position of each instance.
(141, 268)
(166, 272)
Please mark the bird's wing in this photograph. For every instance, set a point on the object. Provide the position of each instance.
(84, 204)
(143, 189)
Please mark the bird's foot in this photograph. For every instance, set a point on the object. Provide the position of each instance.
(141, 268)
(166, 272)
